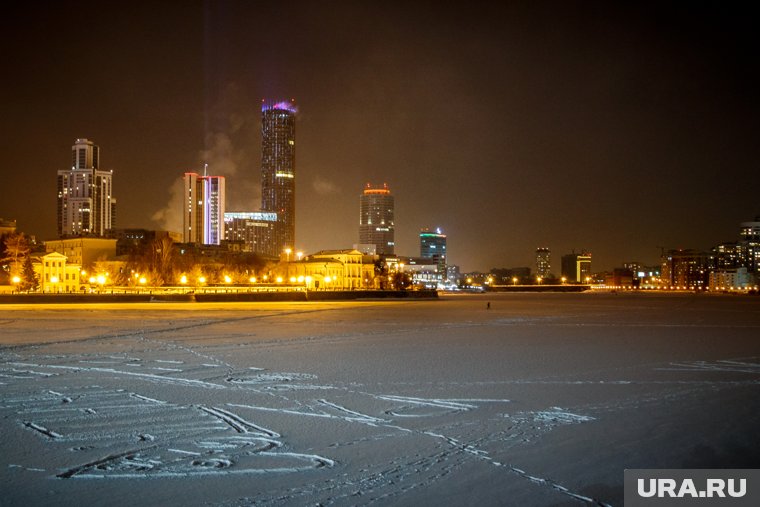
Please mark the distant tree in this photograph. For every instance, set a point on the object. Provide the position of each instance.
(161, 260)
(400, 280)
(196, 272)
(380, 279)
(154, 260)
(102, 268)
(240, 266)
(29, 280)
(15, 257)
(16, 248)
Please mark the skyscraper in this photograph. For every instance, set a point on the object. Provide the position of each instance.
(213, 215)
(278, 170)
(85, 204)
(543, 262)
(192, 209)
(376, 219)
(433, 246)
(203, 209)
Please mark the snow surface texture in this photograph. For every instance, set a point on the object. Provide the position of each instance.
(543, 399)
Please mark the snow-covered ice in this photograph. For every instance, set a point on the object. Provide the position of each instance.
(543, 399)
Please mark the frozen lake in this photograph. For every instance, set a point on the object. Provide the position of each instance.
(543, 399)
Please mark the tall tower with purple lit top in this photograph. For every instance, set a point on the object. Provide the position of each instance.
(278, 170)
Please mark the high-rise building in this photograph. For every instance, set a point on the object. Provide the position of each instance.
(254, 229)
(213, 216)
(433, 246)
(750, 242)
(576, 268)
(376, 219)
(86, 206)
(192, 209)
(543, 262)
(278, 170)
(203, 209)
(685, 269)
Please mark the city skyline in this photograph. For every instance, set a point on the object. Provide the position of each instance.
(616, 129)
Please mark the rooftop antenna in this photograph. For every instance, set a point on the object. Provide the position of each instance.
(205, 169)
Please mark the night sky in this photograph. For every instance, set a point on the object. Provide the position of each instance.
(571, 125)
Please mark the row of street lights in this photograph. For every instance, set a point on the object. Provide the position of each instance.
(539, 280)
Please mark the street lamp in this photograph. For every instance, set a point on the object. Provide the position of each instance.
(514, 280)
(538, 279)
(564, 279)
(299, 255)
(287, 252)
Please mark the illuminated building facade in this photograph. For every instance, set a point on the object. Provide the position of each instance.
(86, 206)
(56, 274)
(576, 268)
(731, 279)
(424, 271)
(213, 211)
(376, 226)
(278, 170)
(750, 242)
(685, 269)
(203, 209)
(192, 209)
(452, 273)
(83, 251)
(729, 255)
(254, 229)
(433, 247)
(744, 253)
(543, 262)
(329, 269)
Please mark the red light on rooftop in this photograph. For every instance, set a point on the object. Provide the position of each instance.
(371, 190)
